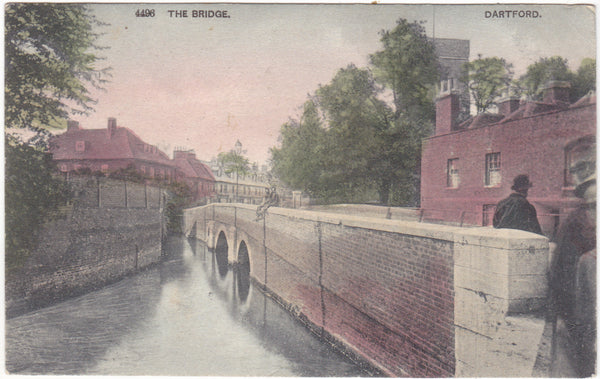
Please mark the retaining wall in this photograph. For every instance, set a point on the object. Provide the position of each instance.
(112, 229)
(412, 299)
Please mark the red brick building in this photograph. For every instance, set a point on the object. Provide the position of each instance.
(468, 167)
(108, 150)
(195, 174)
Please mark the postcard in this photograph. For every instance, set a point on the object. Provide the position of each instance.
(306, 189)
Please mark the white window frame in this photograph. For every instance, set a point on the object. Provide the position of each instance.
(493, 169)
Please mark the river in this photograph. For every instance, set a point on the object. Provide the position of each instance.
(189, 315)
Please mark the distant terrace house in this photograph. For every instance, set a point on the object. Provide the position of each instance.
(251, 189)
(107, 150)
(196, 175)
(468, 167)
(246, 191)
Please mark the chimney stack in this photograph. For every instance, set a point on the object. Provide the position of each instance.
(447, 108)
(508, 105)
(72, 125)
(557, 92)
(112, 126)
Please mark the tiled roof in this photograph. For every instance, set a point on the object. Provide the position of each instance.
(99, 145)
(193, 168)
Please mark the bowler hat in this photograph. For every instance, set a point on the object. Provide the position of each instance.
(521, 182)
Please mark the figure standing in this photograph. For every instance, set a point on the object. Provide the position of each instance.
(573, 279)
(515, 212)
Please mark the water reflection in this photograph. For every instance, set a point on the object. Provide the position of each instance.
(221, 254)
(187, 316)
(242, 273)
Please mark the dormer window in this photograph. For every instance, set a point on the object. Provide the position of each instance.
(80, 146)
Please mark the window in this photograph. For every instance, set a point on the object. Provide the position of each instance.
(452, 173)
(492, 169)
(104, 168)
(80, 146)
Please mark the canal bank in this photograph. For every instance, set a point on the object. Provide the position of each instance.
(112, 229)
(185, 316)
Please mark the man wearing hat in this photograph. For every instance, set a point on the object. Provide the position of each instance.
(515, 212)
(573, 274)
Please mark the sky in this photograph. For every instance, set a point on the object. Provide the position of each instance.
(204, 83)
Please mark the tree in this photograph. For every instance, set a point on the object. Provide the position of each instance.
(32, 193)
(538, 74)
(486, 79)
(355, 118)
(532, 83)
(48, 69)
(234, 161)
(585, 79)
(298, 162)
(408, 66)
(48, 63)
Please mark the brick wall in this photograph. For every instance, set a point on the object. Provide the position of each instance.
(90, 245)
(532, 145)
(409, 298)
(386, 297)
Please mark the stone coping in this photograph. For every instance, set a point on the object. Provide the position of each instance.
(481, 236)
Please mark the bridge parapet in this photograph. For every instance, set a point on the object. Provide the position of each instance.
(411, 298)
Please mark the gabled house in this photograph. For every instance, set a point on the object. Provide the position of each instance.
(195, 174)
(467, 167)
(107, 150)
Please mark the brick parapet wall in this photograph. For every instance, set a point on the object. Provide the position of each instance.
(90, 247)
(413, 299)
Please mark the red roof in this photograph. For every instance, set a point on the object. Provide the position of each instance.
(193, 168)
(100, 145)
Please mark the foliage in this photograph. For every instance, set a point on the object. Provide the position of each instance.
(298, 162)
(350, 145)
(538, 74)
(585, 79)
(86, 171)
(32, 194)
(179, 197)
(129, 173)
(234, 162)
(407, 65)
(48, 63)
(356, 120)
(541, 72)
(486, 79)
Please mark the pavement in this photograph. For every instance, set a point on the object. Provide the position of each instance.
(554, 364)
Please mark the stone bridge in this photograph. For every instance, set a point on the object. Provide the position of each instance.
(408, 298)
